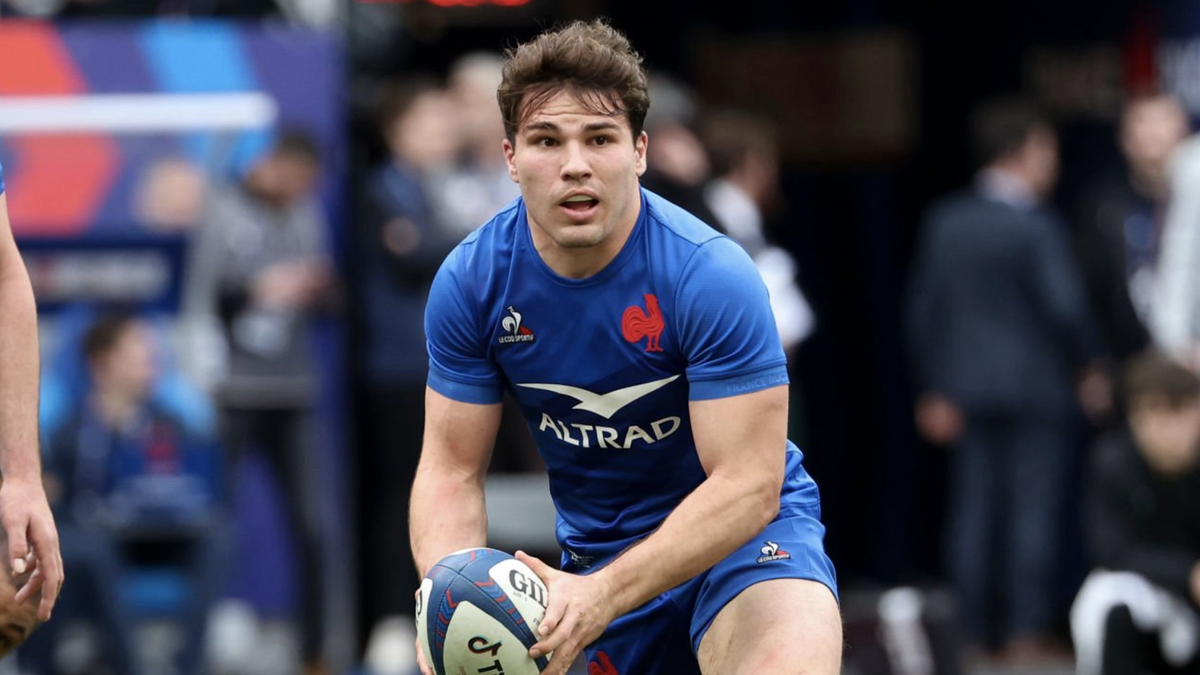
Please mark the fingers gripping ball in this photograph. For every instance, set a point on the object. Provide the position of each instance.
(478, 612)
(17, 620)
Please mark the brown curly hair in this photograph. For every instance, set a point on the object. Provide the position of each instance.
(592, 61)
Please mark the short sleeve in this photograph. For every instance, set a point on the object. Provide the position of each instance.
(726, 328)
(459, 367)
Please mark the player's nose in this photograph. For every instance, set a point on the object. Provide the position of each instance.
(575, 162)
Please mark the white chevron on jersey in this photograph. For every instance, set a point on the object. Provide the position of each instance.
(604, 405)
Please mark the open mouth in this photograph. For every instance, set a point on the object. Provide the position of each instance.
(579, 203)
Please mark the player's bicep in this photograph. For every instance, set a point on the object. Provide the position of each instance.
(459, 436)
(743, 436)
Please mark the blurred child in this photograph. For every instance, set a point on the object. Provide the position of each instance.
(1137, 612)
(128, 483)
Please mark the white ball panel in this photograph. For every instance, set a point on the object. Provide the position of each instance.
(478, 644)
(525, 589)
(423, 617)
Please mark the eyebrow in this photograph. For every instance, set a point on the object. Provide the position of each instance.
(602, 126)
(541, 125)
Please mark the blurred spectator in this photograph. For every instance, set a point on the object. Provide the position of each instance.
(1121, 219)
(404, 243)
(745, 159)
(999, 333)
(170, 196)
(261, 265)
(1176, 314)
(130, 485)
(478, 185)
(677, 165)
(1137, 612)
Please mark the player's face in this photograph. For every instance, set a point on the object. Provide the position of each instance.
(578, 171)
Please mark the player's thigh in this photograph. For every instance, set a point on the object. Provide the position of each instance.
(779, 626)
(771, 605)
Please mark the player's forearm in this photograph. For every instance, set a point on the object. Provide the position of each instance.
(446, 514)
(19, 455)
(723, 513)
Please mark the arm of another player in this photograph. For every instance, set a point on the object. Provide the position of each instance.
(741, 443)
(24, 511)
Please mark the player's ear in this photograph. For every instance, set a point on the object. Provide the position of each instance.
(509, 153)
(639, 147)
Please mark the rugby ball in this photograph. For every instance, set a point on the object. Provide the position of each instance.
(478, 612)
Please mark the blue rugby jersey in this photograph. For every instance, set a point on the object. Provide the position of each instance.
(604, 367)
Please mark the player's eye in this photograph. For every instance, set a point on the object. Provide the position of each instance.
(602, 140)
(545, 142)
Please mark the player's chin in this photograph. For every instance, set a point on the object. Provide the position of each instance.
(580, 236)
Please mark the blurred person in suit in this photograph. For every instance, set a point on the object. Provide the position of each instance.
(260, 267)
(1139, 610)
(1000, 342)
(130, 484)
(404, 242)
(1121, 223)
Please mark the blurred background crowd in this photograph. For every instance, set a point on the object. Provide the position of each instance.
(979, 223)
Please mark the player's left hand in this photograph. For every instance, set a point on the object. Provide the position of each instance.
(578, 611)
(32, 541)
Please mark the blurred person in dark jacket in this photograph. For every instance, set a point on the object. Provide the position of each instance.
(678, 166)
(260, 267)
(1121, 223)
(1138, 611)
(1000, 338)
(130, 483)
(404, 242)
